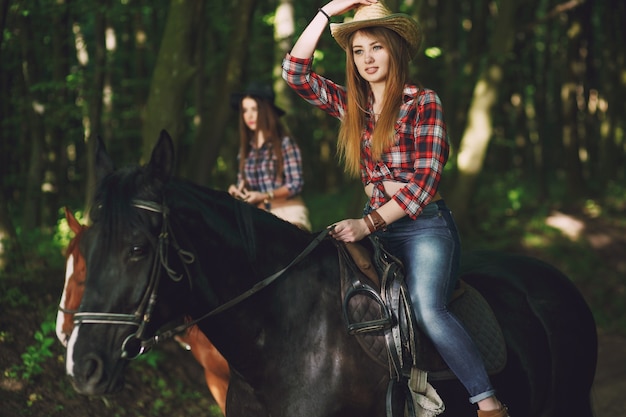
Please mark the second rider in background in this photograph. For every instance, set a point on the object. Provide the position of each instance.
(270, 162)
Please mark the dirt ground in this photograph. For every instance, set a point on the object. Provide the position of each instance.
(609, 387)
(179, 381)
(175, 387)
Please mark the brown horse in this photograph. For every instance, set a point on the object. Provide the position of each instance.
(216, 370)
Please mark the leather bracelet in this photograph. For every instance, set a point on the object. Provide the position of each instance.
(379, 222)
(368, 222)
(324, 13)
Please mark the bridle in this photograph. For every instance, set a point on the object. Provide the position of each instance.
(132, 347)
(137, 343)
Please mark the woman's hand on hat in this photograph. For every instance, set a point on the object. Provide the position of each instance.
(339, 7)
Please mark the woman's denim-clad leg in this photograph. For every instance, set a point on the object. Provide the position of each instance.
(430, 249)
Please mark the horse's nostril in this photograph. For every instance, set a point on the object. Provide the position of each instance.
(92, 369)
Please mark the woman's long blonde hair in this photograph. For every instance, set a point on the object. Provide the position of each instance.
(353, 122)
(273, 133)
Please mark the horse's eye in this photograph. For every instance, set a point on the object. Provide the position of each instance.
(137, 252)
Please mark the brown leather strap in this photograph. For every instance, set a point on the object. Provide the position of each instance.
(379, 222)
(368, 222)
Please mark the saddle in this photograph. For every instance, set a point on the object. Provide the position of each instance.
(378, 312)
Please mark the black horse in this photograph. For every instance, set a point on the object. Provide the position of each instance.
(161, 248)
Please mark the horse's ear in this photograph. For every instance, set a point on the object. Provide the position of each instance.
(104, 164)
(162, 160)
(71, 221)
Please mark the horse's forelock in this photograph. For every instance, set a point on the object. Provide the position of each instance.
(113, 209)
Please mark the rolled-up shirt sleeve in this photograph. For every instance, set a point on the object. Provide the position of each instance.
(317, 90)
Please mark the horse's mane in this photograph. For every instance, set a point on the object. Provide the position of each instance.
(215, 205)
(236, 222)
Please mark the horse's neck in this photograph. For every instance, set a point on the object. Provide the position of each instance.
(235, 237)
(236, 246)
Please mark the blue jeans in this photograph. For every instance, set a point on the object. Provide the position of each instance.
(430, 250)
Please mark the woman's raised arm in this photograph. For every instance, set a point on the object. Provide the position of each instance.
(306, 43)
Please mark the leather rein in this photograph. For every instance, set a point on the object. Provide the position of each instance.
(136, 343)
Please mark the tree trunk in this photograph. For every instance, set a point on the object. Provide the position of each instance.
(211, 132)
(172, 74)
(571, 93)
(95, 92)
(35, 132)
(10, 253)
(4, 8)
(479, 126)
(58, 165)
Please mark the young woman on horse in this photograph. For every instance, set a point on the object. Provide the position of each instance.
(270, 163)
(393, 135)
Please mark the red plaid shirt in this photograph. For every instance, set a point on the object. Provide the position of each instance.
(421, 143)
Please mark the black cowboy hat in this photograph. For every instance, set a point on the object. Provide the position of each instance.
(256, 90)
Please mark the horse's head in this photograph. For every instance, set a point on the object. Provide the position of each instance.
(75, 271)
(126, 252)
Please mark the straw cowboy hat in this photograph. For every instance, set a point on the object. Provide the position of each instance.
(256, 90)
(377, 14)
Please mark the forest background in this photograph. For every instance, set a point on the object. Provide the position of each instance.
(533, 93)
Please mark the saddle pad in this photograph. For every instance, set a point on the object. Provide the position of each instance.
(469, 306)
(480, 322)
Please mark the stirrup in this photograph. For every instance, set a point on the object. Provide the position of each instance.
(371, 325)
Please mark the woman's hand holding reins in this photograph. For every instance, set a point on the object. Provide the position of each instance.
(238, 191)
(250, 197)
(349, 230)
(254, 197)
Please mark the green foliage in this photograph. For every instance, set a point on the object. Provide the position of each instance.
(151, 358)
(509, 216)
(327, 208)
(37, 353)
(5, 337)
(170, 390)
(41, 250)
(63, 234)
(615, 200)
(13, 297)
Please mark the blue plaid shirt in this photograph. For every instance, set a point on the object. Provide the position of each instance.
(260, 168)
